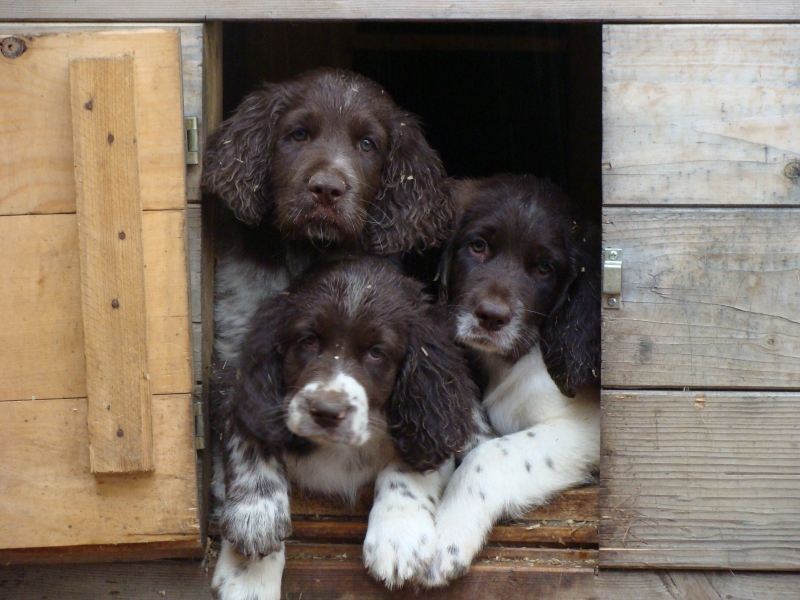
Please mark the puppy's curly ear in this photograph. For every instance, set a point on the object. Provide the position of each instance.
(462, 193)
(237, 156)
(256, 402)
(430, 412)
(412, 210)
(571, 334)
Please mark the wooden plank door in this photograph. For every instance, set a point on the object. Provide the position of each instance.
(700, 458)
(96, 375)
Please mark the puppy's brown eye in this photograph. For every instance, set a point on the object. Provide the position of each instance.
(376, 354)
(366, 145)
(309, 343)
(299, 135)
(478, 246)
(545, 268)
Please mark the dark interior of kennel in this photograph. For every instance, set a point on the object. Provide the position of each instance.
(494, 98)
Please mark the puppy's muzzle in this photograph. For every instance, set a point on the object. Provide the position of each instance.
(493, 314)
(329, 410)
(327, 187)
(335, 409)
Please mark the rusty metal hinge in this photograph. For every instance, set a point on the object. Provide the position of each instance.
(192, 141)
(612, 278)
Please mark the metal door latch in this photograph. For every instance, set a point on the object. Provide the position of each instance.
(612, 278)
(192, 143)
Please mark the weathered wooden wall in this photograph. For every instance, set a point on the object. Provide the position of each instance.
(699, 125)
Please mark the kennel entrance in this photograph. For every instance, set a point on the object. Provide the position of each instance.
(700, 194)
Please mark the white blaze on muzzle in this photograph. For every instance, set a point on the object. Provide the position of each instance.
(340, 394)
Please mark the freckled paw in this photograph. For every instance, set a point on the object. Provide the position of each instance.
(399, 550)
(450, 563)
(254, 531)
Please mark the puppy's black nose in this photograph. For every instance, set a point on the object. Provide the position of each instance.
(326, 188)
(325, 414)
(493, 315)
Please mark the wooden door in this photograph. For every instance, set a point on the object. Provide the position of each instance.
(96, 377)
(701, 361)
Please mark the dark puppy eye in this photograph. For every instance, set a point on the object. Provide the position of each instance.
(366, 145)
(376, 354)
(478, 246)
(309, 343)
(299, 135)
(545, 268)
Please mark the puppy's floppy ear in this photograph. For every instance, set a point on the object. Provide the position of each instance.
(256, 403)
(237, 156)
(430, 410)
(462, 193)
(412, 210)
(571, 334)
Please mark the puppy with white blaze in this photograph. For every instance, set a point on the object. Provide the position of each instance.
(522, 277)
(348, 378)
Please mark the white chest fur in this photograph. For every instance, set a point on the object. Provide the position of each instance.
(522, 395)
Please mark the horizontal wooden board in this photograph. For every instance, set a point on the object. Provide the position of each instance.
(189, 580)
(710, 298)
(192, 69)
(51, 498)
(700, 479)
(609, 10)
(703, 114)
(41, 347)
(35, 121)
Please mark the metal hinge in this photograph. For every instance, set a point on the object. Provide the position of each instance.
(612, 277)
(192, 143)
(199, 422)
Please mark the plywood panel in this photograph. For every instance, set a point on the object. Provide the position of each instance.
(35, 121)
(700, 479)
(41, 347)
(199, 10)
(109, 212)
(700, 114)
(51, 498)
(710, 298)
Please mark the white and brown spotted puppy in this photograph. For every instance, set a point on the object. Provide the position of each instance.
(522, 276)
(349, 377)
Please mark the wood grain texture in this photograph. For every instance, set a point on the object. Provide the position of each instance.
(700, 479)
(189, 580)
(50, 497)
(199, 10)
(193, 67)
(710, 298)
(109, 212)
(41, 347)
(36, 121)
(700, 114)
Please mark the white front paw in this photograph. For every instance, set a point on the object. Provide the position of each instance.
(256, 527)
(400, 543)
(454, 555)
(237, 577)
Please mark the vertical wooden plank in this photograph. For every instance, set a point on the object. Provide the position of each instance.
(112, 264)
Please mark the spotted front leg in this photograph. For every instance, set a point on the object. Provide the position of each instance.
(255, 517)
(504, 477)
(401, 535)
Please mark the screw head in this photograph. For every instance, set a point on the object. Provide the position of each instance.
(612, 302)
(792, 170)
(613, 255)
